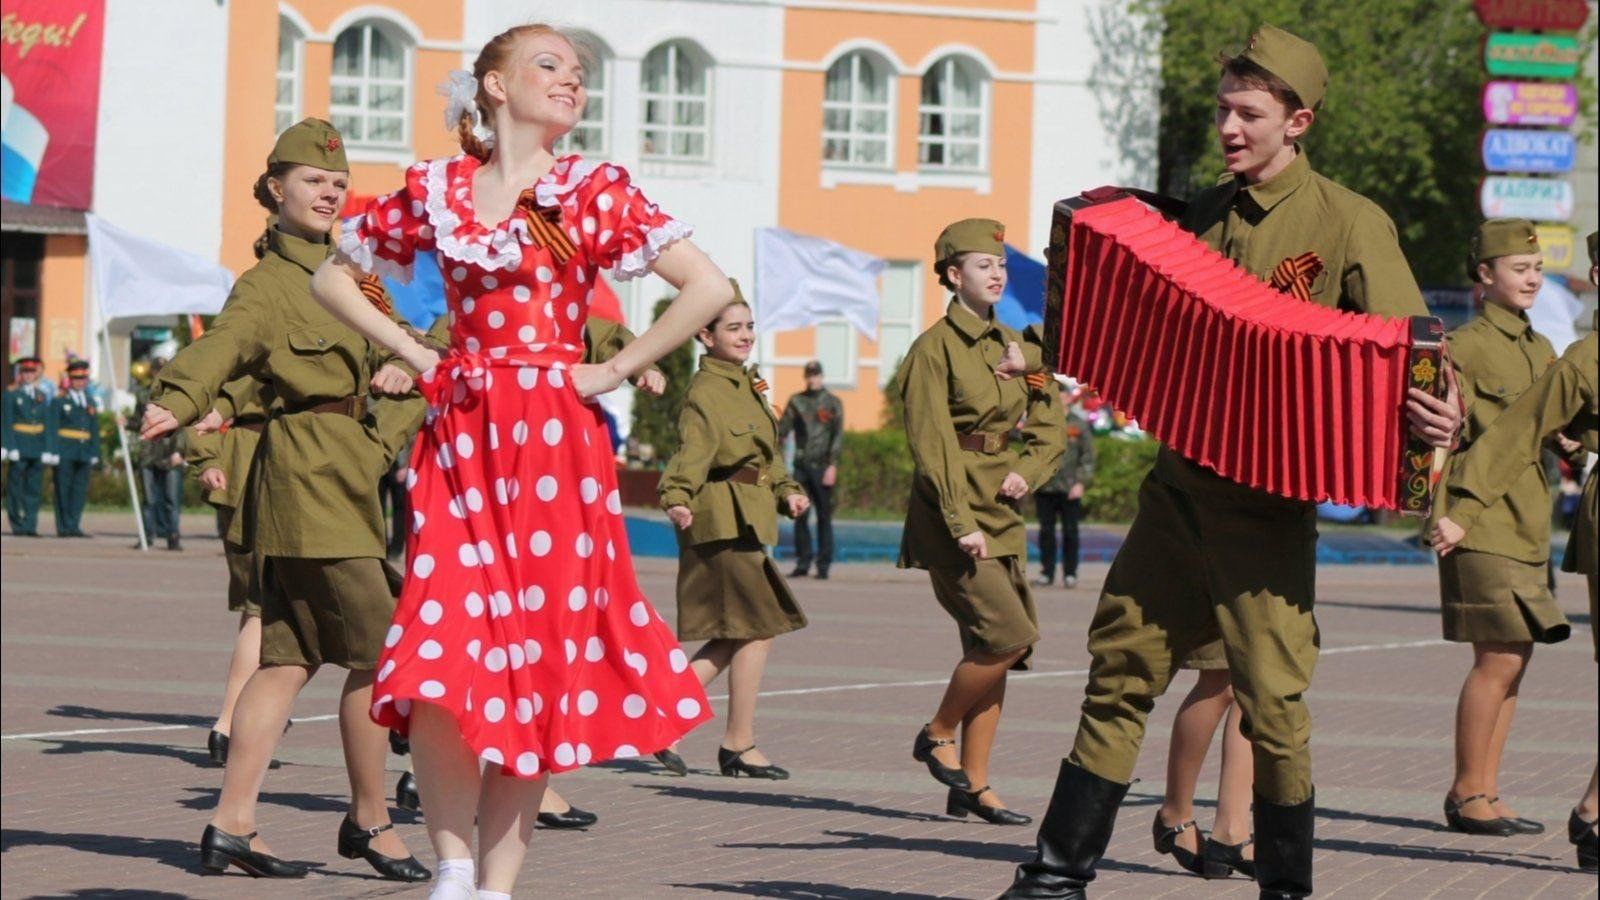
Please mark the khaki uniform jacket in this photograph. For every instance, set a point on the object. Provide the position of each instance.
(231, 450)
(1260, 225)
(1565, 398)
(949, 387)
(314, 485)
(726, 425)
(603, 339)
(817, 421)
(1498, 356)
(1077, 463)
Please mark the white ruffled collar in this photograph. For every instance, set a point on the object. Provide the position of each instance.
(457, 232)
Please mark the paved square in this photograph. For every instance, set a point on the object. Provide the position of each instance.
(113, 664)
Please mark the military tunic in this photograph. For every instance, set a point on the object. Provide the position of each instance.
(1208, 558)
(952, 394)
(728, 472)
(1565, 398)
(314, 521)
(75, 442)
(27, 422)
(240, 403)
(1495, 586)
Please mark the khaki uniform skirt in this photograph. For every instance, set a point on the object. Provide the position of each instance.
(1209, 656)
(732, 589)
(240, 562)
(1487, 597)
(325, 611)
(992, 605)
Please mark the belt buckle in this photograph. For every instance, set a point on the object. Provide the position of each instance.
(358, 406)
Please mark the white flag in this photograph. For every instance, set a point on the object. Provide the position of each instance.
(136, 276)
(801, 280)
(1554, 308)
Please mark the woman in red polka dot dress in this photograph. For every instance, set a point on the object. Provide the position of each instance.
(521, 638)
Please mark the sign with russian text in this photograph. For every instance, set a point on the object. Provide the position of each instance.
(1533, 15)
(1544, 199)
(1560, 246)
(1529, 103)
(1534, 55)
(1536, 152)
(49, 94)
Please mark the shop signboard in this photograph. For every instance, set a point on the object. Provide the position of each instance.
(1540, 199)
(1537, 152)
(1560, 246)
(1532, 55)
(1533, 15)
(1529, 103)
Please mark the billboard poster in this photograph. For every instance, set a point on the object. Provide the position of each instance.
(1540, 199)
(1532, 55)
(1534, 152)
(1533, 15)
(1529, 103)
(49, 97)
(1559, 244)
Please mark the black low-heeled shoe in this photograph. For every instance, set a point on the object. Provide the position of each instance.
(355, 841)
(1582, 834)
(1230, 855)
(1165, 839)
(960, 802)
(217, 747)
(219, 850)
(572, 818)
(922, 751)
(1496, 827)
(399, 744)
(672, 762)
(732, 764)
(1518, 823)
(405, 793)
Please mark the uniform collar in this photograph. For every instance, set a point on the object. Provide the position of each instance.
(306, 254)
(1513, 324)
(970, 326)
(729, 370)
(1269, 193)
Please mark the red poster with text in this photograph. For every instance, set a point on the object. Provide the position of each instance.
(50, 59)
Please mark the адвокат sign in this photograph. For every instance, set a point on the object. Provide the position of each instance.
(1540, 152)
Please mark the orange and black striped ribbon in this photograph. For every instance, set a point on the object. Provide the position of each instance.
(759, 383)
(1037, 380)
(372, 288)
(544, 227)
(1296, 273)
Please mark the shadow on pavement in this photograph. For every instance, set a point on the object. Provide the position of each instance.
(197, 757)
(1344, 815)
(177, 854)
(113, 894)
(791, 801)
(801, 890)
(204, 799)
(72, 711)
(965, 849)
(1447, 854)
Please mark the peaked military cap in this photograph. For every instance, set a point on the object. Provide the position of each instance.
(1293, 59)
(310, 142)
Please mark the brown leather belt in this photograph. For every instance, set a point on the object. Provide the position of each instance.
(741, 475)
(256, 425)
(982, 442)
(354, 407)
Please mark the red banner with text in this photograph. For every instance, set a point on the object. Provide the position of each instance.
(50, 57)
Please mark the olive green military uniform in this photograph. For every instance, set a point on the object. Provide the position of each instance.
(728, 472)
(959, 415)
(1495, 587)
(240, 403)
(314, 520)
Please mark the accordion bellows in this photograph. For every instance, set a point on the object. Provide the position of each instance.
(1300, 400)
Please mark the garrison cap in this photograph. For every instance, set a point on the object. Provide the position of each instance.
(1500, 237)
(970, 236)
(813, 367)
(1594, 248)
(77, 366)
(738, 295)
(310, 142)
(30, 363)
(1293, 59)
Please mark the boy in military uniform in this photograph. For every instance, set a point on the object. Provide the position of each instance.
(28, 418)
(816, 419)
(1061, 499)
(1209, 558)
(75, 442)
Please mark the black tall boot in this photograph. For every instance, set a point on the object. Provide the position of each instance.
(1283, 849)
(1072, 837)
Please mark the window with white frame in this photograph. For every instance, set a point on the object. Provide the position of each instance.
(951, 126)
(590, 136)
(856, 108)
(675, 100)
(898, 314)
(291, 54)
(371, 86)
(836, 350)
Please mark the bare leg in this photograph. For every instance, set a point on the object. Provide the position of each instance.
(978, 729)
(258, 718)
(366, 751)
(1589, 807)
(1196, 723)
(744, 686)
(447, 778)
(507, 810)
(553, 802)
(1235, 787)
(712, 657)
(244, 662)
(970, 684)
(1497, 742)
(1496, 669)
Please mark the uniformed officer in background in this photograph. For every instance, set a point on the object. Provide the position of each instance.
(75, 444)
(25, 433)
(816, 419)
(1061, 499)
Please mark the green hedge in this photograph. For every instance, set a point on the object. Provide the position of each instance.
(109, 489)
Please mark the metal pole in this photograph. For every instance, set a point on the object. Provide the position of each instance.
(122, 433)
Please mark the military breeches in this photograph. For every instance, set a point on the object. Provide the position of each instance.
(1194, 569)
(24, 482)
(72, 492)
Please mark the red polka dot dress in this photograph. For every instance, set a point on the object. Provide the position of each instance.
(520, 613)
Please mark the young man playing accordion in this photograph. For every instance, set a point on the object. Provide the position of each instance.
(1208, 558)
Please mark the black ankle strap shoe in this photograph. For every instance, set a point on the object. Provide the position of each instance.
(960, 802)
(219, 850)
(732, 764)
(922, 751)
(355, 841)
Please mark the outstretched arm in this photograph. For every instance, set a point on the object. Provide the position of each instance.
(335, 286)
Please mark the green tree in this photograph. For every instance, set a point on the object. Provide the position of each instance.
(1400, 123)
(894, 406)
(655, 419)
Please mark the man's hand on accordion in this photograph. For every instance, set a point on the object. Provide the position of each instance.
(1446, 535)
(974, 545)
(1434, 419)
(1014, 487)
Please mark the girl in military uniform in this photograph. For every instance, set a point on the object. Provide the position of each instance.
(1495, 589)
(963, 523)
(314, 523)
(723, 489)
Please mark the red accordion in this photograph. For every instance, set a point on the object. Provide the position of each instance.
(1293, 398)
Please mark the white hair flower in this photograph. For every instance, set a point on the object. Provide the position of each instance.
(461, 93)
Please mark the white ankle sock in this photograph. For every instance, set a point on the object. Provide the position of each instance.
(492, 895)
(454, 881)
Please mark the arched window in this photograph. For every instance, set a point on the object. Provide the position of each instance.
(291, 58)
(591, 136)
(675, 93)
(856, 107)
(952, 114)
(371, 86)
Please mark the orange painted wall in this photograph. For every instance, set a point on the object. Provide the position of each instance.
(61, 306)
(879, 219)
(252, 67)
